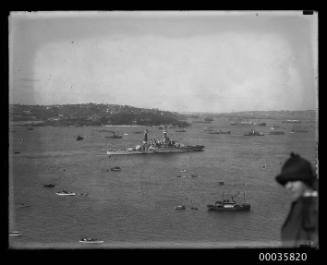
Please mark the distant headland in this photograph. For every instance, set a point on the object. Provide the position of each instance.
(91, 114)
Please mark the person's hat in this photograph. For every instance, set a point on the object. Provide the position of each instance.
(297, 168)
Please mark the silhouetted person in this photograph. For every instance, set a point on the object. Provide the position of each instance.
(145, 140)
(301, 225)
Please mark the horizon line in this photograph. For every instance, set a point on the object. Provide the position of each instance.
(182, 112)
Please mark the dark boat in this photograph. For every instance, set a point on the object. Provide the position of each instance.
(114, 136)
(262, 124)
(277, 133)
(116, 168)
(229, 205)
(49, 185)
(218, 132)
(224, 132)
(79, 138)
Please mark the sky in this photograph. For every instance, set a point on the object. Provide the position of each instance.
(199, 61)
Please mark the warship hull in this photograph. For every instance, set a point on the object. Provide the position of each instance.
(166, 150)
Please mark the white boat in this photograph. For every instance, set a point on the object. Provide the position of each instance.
(91, 241)
(14, 234)
(291, 121)
(65, 193)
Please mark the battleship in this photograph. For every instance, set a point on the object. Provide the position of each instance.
(156, 146)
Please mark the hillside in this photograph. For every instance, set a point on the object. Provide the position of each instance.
(92, 114)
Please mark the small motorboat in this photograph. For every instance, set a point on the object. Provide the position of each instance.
(65, 193)
(116, 168)
(79, 138)
(90, 240)
(180, 207)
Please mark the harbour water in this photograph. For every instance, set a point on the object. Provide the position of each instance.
(136, 206)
